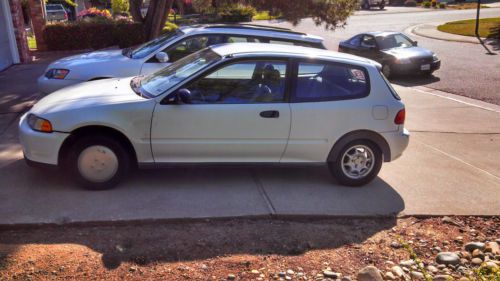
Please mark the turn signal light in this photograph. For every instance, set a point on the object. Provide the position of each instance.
(400, 117)
(39, 124)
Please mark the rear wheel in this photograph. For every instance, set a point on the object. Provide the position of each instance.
(358, 163)
(366, 5)
(381, 6)
(98, 162)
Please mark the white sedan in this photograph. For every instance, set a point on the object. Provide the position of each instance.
(160, 52)
(232, 103)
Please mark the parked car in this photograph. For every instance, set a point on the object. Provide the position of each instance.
(56, 12)
(397, 53)
(367, 4)
(160, 52)
(225, 104)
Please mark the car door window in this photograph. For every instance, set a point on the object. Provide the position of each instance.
(192, 45)
(330, 81)
(356, 41)
(368, 41)
(242, 82)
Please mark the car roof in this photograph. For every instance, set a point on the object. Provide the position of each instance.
(381, 33)
(286, 50)
(252, 30)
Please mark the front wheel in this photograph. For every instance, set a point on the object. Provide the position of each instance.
(357, 164)
(98, 162)
(381, 6)
(366, 5)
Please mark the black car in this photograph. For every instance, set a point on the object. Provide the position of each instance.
(397, 53)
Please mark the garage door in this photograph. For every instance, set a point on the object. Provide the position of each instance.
(5, 52)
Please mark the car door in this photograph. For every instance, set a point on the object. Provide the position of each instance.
(179, 50)
(327, 101)
(236, 113)
(367, 47)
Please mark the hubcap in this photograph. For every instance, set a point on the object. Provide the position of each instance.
(97, 163)
(357, 161)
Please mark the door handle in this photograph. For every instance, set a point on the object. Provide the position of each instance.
(270, 114)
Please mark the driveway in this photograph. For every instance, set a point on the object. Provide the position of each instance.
(449, 168)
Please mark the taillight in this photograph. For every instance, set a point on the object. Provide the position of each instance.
(65, 15)
(400, 117)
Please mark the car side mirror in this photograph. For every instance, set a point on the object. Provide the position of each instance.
(415, 43)
(178, 97)
(162, 57)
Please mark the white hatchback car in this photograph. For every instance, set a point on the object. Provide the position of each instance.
(231, 103)
(162, 51)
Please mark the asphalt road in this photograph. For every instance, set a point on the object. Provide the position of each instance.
(466, 70)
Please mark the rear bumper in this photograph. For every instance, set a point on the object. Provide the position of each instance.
(398, 142)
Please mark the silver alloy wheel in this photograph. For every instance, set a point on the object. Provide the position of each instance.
(358, 161)
(97, 163)
(386, 70)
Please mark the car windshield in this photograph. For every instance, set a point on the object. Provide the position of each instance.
(393, 41)
(151, 46)
(163, 80)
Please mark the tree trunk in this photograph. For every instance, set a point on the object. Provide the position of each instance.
(135, 10)
(157, 15)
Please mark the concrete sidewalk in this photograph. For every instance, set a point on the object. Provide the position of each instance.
(430, 30)
(450, 168)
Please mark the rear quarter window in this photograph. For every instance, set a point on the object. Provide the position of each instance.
(328, 81)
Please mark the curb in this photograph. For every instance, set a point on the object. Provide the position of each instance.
(466, 39)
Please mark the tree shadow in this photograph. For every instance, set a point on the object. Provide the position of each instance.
(185, 214)
(493, 39)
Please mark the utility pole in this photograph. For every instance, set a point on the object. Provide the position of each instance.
(477, 18)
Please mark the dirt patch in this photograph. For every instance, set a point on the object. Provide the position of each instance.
(211, 250)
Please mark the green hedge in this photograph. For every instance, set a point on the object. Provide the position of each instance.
(92, 35)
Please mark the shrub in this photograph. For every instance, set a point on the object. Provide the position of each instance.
(119, 7)
(237, 13)
(442, 5)
(94, 13)
(426, 4)
(410, 3)
(169, 27)
(93, 35)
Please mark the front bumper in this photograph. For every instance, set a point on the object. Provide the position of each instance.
(398, 142)
(47, 86)
(40, 147)
(412, 68)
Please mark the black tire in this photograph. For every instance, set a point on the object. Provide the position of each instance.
(336, 164)
(119, 151)
(366, 5)
(381, 6)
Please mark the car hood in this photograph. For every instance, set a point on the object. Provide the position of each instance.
(88, 94)
(408, 52)
(97, 57)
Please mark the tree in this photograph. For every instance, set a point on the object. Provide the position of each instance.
(330, 13)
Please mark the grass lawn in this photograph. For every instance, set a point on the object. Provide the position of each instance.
(464, 6)
(31, 42)
(468, 27)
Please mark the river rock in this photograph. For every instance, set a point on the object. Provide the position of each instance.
(476, 261)
(447, 258)
(492, 247)
(398, 271)
(442, 277)
(369, 273)
(473, 246)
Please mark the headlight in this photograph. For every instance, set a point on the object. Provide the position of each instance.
(56, 73)
(434, 57)
(403, 61)
(39, 124)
